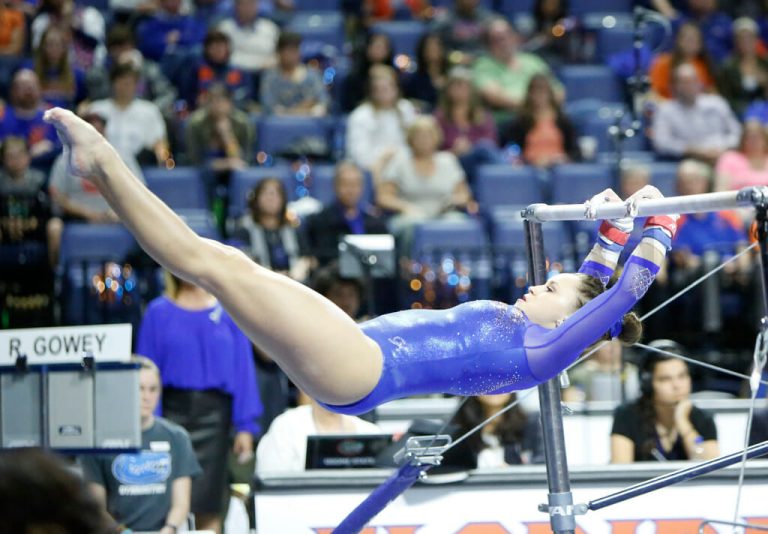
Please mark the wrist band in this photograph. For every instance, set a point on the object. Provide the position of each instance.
(614, 234)
(660, 235)
(664, 221)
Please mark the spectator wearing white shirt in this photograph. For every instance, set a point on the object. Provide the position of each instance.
(284, 446)
(378, 125)
(134, 125)
(694, 124)
(253, 38)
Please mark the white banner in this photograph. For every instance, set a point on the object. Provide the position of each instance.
(68, 344)
(496, 509)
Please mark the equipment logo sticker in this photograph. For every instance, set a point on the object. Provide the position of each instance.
(143, 468)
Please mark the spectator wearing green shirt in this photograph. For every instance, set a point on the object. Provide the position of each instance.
(502, 76)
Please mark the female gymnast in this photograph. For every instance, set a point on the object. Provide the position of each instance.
(476, 348)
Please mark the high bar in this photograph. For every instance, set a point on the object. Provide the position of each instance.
(726, 200)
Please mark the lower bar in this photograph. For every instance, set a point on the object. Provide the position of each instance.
(677, 476)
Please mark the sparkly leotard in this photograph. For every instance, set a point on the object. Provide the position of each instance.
(486, 347)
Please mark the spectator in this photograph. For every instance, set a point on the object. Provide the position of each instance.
(468, 128)
(715, 26)
(215, 68)
(83, 23)
(77, 199)
(688, 48)
(153, 84)
(206, 364)
(25, 215)
(346, 293)
(347, 214)
(542, 130)
(159, 499)
(746, 165)
(270, 238)
(253, 38)
(605, 376)
(292, 88)
(168, 30)
(663, 424)
(377, 50)
(40, 493)
(219, 136)
(382, 10)
(503, 75)
(284, 446)
(554, 38)
(134, 125)
(422, 183)
(378, 125)
(462, 27)
(743, 76)
(61, 83)
(693, 124)
(13, 31)
(24, 118)
(424, 85)
(511, 439)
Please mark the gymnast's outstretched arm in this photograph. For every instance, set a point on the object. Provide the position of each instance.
(321, 349)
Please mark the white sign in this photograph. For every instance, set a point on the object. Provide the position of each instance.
(68, 344)
(500, 509)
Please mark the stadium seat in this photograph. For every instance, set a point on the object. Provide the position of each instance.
(599, 128)
(508, 233)
(511, 8)
(280, 134)
(404, 35)
(611, 41)
(243, 181)
(498, 185)
(451, 236)
(664, 177)
(317, 5)
(322, 27)
(590, 81)
(574, 183)
(584, 7)
(181, 188)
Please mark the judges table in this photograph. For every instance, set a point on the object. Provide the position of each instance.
(506, 501)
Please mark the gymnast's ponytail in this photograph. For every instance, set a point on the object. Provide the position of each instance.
(631, 329)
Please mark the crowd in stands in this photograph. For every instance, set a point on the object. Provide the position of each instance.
(296, 134)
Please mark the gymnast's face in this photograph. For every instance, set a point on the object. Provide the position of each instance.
(549, 304)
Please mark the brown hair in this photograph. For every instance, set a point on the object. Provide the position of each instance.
(43, 67)
(477, 111)
(527, 107)
(255, 193)
(631, 327)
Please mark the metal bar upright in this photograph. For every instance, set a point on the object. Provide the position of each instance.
(560, 498)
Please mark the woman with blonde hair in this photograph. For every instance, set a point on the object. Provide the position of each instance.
(377, 126)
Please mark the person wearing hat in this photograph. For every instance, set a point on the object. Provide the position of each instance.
(663, 424)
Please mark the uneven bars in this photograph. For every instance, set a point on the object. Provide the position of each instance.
(748, 196)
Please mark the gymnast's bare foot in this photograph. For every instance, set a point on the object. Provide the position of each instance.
(83, 145)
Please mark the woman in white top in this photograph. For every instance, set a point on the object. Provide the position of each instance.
(378, 125)
(421, 183)
(284, 446)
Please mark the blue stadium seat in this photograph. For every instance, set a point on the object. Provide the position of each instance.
(598, 127)
(509, 233)
(322, 27)
(487, 4)
(317, 5)
(94, 283)
(404, 34)
(583, 7)
(276, 134)
(590, 81)
(611, 41)
(243, 181)
(514, 7)
(450, 236)
(574, 183)
(664, 177)
(181, 188)
(497, 185)
(202, 223)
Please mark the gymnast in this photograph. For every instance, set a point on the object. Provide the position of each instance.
(475, 348)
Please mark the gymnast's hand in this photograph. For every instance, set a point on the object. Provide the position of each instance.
(83, 145)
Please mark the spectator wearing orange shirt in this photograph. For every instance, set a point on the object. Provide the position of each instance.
(13, 31)
(688, 48)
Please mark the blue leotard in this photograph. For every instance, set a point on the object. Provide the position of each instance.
(487, 347)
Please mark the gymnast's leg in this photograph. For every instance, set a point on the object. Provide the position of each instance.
(322, 350)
